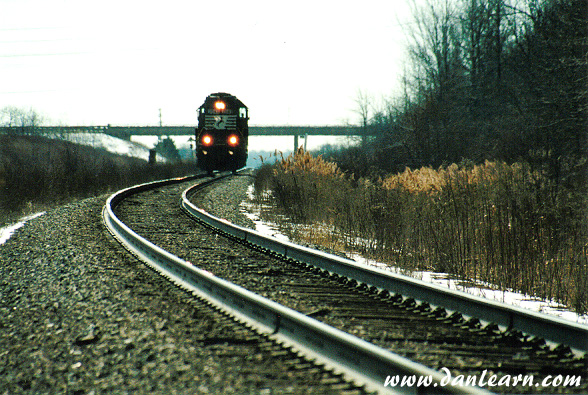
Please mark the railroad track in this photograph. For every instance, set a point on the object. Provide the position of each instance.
(379, 314)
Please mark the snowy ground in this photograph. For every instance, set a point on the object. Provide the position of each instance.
(110, 144)
(485, 290)
(7, 231)
(443, 279)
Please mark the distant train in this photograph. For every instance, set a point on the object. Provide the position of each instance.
(222, 134)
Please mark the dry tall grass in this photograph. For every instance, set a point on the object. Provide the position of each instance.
(37, 173)
(508, 225)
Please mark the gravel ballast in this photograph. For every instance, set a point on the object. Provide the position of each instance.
(79, 315)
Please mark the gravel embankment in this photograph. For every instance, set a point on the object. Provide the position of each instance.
(79, 315)
(223, 199)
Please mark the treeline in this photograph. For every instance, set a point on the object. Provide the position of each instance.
(21, 121)
(487, 79)
(37, 173)
(480, 168)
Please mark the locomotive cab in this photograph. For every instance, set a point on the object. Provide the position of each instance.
(222, 133)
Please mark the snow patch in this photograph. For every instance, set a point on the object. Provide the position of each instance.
(478, 288)
(7, 231)
(109, 143)
(262, 227)
(483, 290)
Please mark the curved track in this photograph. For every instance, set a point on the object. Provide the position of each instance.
(393, 322)
(551, 328)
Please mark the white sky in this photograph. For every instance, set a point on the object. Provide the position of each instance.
(81, 62)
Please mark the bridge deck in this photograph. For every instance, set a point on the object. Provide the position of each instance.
(126, 131)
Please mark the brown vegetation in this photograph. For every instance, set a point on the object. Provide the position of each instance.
(37, 173)
(503, 84)
(508, 225)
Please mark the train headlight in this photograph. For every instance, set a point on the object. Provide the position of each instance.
(207, 140)
(220, 105)
(233, 140)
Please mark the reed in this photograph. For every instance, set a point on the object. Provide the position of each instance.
(505, 224)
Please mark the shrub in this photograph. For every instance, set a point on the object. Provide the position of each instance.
(509, 225)
(37, 173)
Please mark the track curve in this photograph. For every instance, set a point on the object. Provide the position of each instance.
(323, 284)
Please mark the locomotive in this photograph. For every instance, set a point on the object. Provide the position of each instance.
(222, 133)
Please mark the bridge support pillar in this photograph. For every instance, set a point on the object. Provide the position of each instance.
(296, 146)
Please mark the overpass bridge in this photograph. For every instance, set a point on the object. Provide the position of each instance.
(125, 132)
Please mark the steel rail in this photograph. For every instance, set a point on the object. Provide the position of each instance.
(359, 360)
(550, 328)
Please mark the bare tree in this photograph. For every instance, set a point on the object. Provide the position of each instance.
(21, 121)
(34, 119)
(363, 102)
(10, 116)
(437, 81)
(434, 44)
